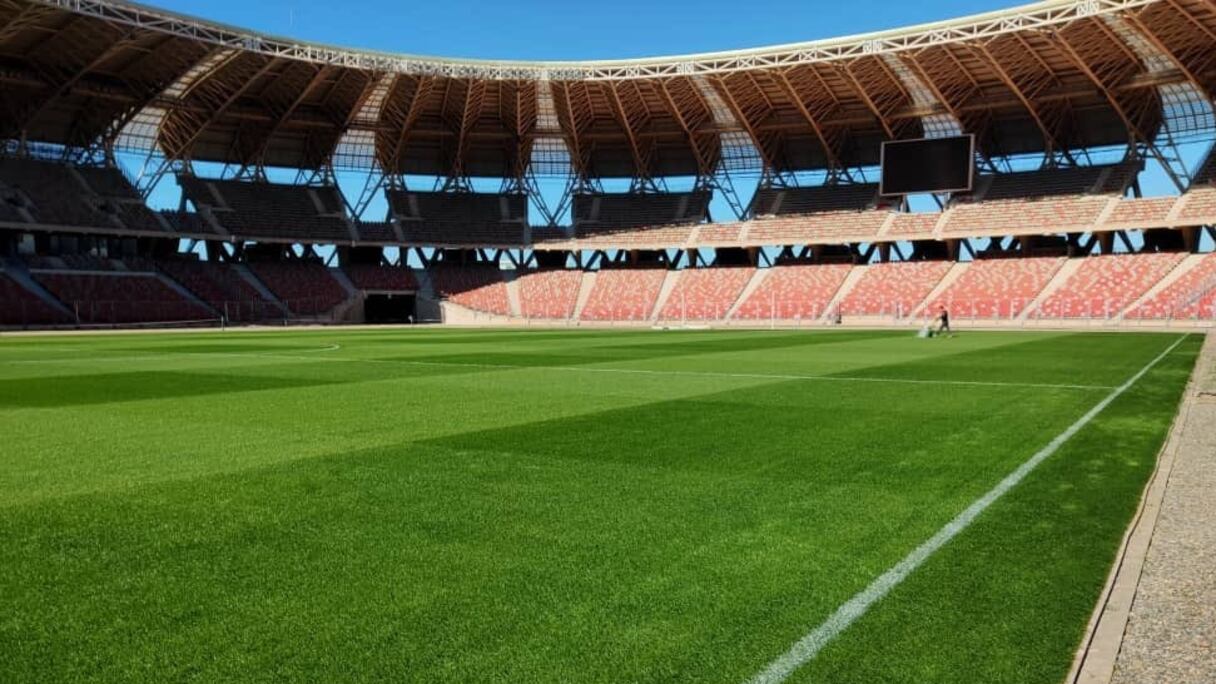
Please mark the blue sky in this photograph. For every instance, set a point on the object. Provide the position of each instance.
(553, 30)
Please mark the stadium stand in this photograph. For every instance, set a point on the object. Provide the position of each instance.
(1056, 200)
(1199, 205)
(624, 294)
(480, 288)
(1141, 212)
(187, 223)
(377, 231)
(306, 288)
(457, 218)
(720, 233)
(609, 212)
(549, 294)
(998, 288)
(381, 278)
(652, 237)
(1103, 286)
(50, 192)
(271, 211)
(120, 298)
(914, 226)
(221, 286)
(828, 213)
(1192, 296)
(893, 289)
(705, 294)
(770, 201)
(794, 292)
(19, 307)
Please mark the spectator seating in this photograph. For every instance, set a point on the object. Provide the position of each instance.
(55, 196)
(706, 294)
(998, 288)
(814, 200)
(790, 292)
(271, 211)
(893, 289)
(381, 278)
(1049, 200)
(1199, 205)
(20, 307)
(608, 212)
(624, 294)
(108, 182)
(819, 214)
(657, 237)
(1137, 213)
(220, 285)
(914, 226)
(460, 218)
(1192, 296)
(832, 227)
(306, 288)
(480, 288)
(187, 223)
(377, 231)
(549, 293)
(1103, 286)
(720, 233)
(120, 298)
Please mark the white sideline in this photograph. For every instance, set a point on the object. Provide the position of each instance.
(809, 646)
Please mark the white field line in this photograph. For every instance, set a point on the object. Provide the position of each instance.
(588, 369)
(809, 646)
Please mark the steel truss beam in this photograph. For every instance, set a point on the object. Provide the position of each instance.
(1044, 16)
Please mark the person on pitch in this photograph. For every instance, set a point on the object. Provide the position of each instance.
(943, 320)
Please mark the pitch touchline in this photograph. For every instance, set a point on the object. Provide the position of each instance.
(809, 646)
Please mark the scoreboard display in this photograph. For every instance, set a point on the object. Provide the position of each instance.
(912, 167)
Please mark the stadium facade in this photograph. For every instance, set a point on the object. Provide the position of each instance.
(1069, 103)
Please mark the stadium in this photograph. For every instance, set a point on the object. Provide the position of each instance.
(881, 358)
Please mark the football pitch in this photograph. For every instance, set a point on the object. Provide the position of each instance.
(568, 506)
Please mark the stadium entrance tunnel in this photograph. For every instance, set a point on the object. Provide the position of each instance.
(390, 308)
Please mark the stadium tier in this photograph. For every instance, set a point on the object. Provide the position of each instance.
(794, 292)
(1055, 200)
(549, 294)
(479, 288)
(307, 289)
(609, 212)
(223, 287)
(705, 294)
(98, 297)
(270, 211)
(624, 294)
(1103, 286)
(997, 288)
(893, 289)
(381, 278)
(21, 308)
(1191, 296)
(460, 218)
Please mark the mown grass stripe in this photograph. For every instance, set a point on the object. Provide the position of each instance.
(809, 646)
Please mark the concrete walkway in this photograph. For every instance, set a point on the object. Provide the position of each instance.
(1157, 621)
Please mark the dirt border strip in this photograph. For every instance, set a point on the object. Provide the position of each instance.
(1094, 662)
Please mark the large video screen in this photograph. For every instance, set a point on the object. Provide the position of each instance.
(911, 167)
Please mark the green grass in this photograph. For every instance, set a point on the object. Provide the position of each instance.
(455, 506)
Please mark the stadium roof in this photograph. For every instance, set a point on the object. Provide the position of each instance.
(1053, 76)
